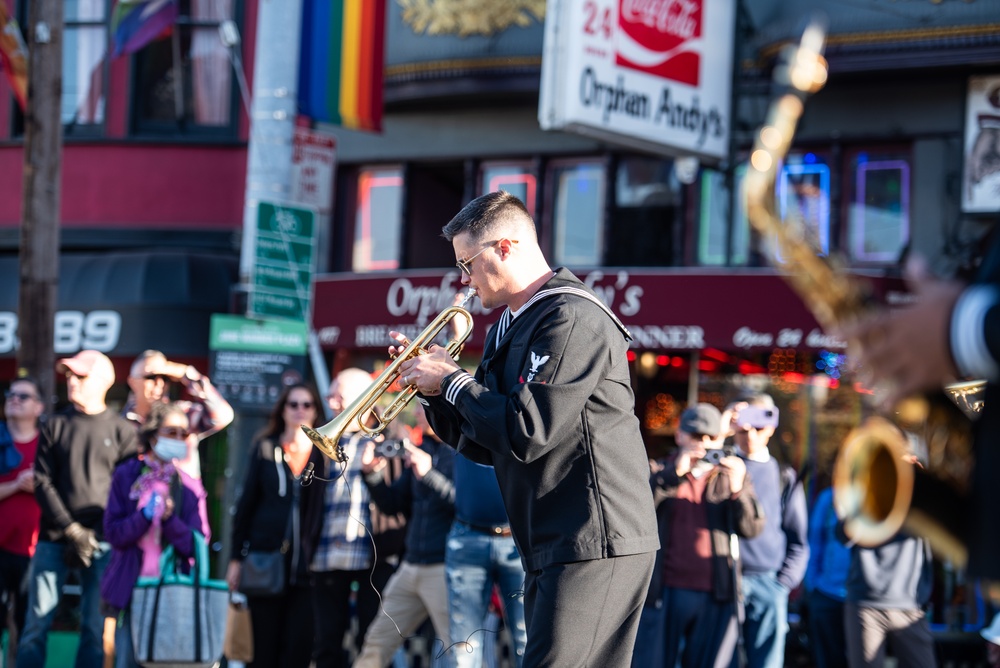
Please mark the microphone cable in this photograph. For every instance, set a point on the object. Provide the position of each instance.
(306, 478)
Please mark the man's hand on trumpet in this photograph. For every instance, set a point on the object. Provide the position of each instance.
(424, 372)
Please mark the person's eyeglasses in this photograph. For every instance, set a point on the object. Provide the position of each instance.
(173, 432)
(20, 396)
(156, 376)
(295, 405)
(466, 265)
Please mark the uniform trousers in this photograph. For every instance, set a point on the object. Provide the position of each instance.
(585, 613)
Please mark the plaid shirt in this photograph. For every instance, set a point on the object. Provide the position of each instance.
(344, 543)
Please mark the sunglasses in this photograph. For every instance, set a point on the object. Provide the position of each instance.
(156, 376)
(466, 265)
(20, 396)
(173, 432)
(295, 405)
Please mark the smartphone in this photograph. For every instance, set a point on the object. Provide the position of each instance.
(758, 417)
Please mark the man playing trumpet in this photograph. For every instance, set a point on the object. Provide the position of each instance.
(551, 409)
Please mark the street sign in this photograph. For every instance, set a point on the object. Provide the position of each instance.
(284, 259)
(252, 361)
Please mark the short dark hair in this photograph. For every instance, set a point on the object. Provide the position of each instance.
(34, 384)
(484, 213)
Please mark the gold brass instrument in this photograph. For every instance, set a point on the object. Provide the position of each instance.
(327, 437)
(877, 488)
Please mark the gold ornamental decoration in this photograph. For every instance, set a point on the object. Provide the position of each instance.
(470, 17)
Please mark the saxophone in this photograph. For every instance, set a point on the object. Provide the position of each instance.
(878, 489)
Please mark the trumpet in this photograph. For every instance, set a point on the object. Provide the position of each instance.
(327, 437)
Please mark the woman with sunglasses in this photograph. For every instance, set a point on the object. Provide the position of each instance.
(280, 510)
(149, 507)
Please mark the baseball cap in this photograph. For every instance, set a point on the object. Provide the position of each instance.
(701, 419)
(88, 363)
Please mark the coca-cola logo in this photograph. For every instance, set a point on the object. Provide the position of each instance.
(661, 37)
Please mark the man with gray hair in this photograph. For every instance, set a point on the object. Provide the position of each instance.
(77, 453)
(149, 380)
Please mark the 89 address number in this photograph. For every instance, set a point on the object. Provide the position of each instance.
(74, 330)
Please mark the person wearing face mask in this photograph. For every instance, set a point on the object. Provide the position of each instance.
(148, 508)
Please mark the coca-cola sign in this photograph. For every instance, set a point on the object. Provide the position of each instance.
(655, 75)
(661, 37)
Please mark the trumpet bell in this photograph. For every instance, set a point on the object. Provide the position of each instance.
(878, 491)
(328, 445)
(872, 483)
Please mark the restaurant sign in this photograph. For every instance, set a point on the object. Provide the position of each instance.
(664, 310)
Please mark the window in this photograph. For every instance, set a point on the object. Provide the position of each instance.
(879, 205)
(804, 197)
(183, 83)
(85, 39)
(713, 230)
(84, 46)
(515, 178)
(646, 222)
(576, 189)
(378, 221)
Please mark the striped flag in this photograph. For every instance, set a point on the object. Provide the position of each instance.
(136, 23)
(14, 54)
(340, 66)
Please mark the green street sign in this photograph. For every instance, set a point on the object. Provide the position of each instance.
(284, 258)
(234, 332)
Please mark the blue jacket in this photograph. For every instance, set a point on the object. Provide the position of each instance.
(829, 559)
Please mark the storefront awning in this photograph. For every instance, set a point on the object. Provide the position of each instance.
(124, 303)
(738, 310)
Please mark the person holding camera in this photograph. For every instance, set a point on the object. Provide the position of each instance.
(774, 562)
(704, 500)
(425, 493)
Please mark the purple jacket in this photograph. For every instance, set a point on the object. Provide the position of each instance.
(124, 525)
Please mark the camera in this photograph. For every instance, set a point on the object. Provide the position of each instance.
(714, 455)
(758, 417)
(390, 449)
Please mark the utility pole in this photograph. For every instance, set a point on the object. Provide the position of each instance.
(40, 196)
(269, 178)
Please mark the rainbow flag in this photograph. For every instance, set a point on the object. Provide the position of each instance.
(14, 54)
(340, 65)
(136, 23)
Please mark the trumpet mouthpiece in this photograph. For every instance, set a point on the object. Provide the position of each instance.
(325, 445)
